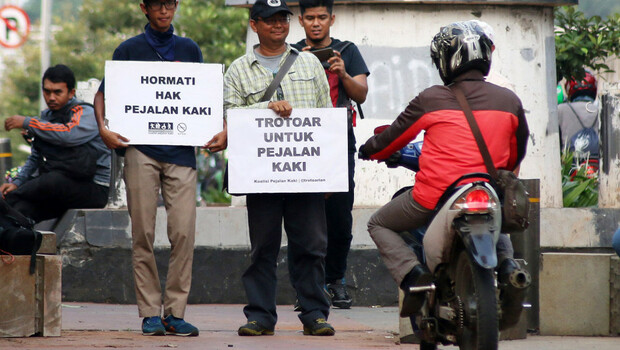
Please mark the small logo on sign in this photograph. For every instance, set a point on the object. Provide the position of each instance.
(182, 128)
(161, 128)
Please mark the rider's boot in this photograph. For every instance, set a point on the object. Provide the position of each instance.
(412, 302)
(513, 282)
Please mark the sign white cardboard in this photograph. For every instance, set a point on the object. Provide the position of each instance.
(304, 153)
(164, 103)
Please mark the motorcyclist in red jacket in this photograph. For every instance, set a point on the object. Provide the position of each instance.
(462, 54)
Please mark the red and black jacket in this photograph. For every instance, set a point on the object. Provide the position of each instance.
(450, 149)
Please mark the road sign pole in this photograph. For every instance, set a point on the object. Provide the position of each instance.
(46, 17)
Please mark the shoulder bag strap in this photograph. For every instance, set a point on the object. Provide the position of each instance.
(279, 76)
(579, 119)
(486, 156)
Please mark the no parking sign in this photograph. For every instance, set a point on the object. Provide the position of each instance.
(14, 26)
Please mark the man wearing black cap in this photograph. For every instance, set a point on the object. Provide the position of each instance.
(305, 86)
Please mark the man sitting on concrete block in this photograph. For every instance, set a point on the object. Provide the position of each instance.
(69, 167)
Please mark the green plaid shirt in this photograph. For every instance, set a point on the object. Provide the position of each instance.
(304, 86)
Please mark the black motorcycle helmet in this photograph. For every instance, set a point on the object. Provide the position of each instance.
(459, 47)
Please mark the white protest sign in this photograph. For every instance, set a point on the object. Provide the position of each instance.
(304, 153)
(164, 103)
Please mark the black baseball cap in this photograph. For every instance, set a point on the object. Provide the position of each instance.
(268, 8)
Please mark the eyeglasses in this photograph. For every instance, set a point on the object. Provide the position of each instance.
(156, 5)
(273, 20)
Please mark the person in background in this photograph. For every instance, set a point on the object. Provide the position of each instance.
(580, 110)
(347, 76)
(69, 167)
(615, 242)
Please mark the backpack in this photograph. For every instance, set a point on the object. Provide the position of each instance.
(17, 234)
(585, 142)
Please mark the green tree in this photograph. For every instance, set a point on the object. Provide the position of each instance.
(84, 42)
(582, 42)
(218, 30)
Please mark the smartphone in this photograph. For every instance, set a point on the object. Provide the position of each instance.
(323, 54)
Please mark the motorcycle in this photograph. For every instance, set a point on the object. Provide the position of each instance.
(468, 303)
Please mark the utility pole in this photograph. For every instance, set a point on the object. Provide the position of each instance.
(46, 21)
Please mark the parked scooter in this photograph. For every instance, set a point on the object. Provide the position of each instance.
(468, 303)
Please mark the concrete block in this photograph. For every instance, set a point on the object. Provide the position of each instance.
(49, 295)
(574, 294)
(361, 237)
(567, 227)
(614, 290)
(107, 228)
(48, 243)
(31, 304)
(17, 287)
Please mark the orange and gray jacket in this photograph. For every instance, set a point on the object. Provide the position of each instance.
(72, 125)
(450, 149)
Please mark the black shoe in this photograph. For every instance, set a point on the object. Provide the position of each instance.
(296, 306)
(254, 328)
(339, 296)
(319, 327)
(412, 302)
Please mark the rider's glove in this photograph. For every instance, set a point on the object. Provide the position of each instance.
(361, 154)
(392, 161)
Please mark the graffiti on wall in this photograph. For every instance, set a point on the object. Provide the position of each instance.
(397, 75)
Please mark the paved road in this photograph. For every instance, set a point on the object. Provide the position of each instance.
(96, 326)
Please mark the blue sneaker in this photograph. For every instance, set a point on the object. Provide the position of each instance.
(153, 326)
(178, 326)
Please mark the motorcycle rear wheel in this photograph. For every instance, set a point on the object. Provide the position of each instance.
(475, 286)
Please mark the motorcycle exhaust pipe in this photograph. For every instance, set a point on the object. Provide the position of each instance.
(520, 279)
(513, 295)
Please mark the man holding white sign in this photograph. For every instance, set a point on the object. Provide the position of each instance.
(149, 168)
(303, 86)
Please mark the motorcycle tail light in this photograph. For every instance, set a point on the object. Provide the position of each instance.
(476, 200)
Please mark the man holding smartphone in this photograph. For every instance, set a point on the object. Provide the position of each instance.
(347, 76)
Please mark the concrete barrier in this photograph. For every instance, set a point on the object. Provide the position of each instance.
(31, 304)
(576, 294)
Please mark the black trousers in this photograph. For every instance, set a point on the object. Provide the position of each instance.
(339, 220)
(304, 222)
(339, 224)
(49, 195)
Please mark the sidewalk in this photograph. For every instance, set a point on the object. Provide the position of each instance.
(96, 326)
